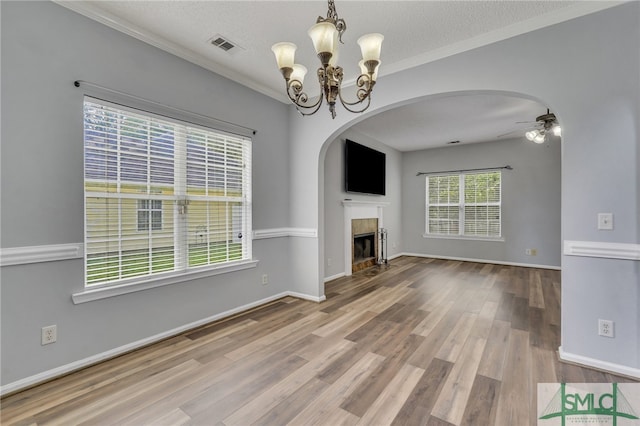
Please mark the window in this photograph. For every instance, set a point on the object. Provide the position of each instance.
(162, 197)
(467, 205)
(149, 215)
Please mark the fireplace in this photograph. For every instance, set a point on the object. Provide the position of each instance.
(364, 243)
(361, 218)
(364, 247)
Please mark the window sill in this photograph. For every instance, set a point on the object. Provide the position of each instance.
(463, 237)
(90, 294)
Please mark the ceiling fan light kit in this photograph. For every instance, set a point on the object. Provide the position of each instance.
(549, 124)
(326, 34)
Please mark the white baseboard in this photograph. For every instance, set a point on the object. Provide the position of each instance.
(334, 277)
(342, 274)
(94, 359)
(308, 297)
(600, 365)
(494, 262)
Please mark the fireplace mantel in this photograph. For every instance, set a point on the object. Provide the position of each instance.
(354, 209)
(351, 203)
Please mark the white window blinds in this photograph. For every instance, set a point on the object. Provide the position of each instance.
(161, 196)
(464, 204)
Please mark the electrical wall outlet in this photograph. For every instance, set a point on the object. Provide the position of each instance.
(265, 279)
(605, 328)
(329, 261)
(531, 252)
(49, 334)
(605, 221)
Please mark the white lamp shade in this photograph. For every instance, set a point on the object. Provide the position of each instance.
(324, 36)
(557, 130)
(364, 70)
(540, 137)
(285, 54)
(531, 135)
(299, 71)
(336, 53)
(370, 45)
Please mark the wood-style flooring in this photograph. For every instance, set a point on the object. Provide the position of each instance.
(422, 341)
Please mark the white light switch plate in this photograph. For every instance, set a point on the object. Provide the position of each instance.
(605, 221)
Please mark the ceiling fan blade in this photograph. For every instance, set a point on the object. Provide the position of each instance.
(508, 133)
(522, 130)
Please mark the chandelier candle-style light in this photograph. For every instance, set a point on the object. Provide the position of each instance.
(326, 34)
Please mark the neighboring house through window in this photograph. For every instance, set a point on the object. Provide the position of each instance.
(162, 196)
(149, 215)
(464, 205)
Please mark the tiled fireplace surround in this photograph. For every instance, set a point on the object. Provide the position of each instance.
(360, 217)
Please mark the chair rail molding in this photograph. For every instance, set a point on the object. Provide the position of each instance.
(260, 234)
(623, 251)
(36, 254)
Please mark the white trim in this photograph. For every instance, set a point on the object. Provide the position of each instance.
(354, 209)
(395, 256)
(260, 234)
(126, 27)
(94, 359)
(522, 27)
(463, 237)
(334, 277)
(606, 250)
(494, 262)
(364, 203)
(342, 274)
(308, 297)
(44, 253)
(581, 8)
(600, 365)
(90, 294)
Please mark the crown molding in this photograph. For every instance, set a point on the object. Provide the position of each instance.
(579, 9)
(90, 11)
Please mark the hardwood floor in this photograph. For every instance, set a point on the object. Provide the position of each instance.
(420, 342)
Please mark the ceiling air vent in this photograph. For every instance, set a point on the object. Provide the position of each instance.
(225, 44)
(222, 44)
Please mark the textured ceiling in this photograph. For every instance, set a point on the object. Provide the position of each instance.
(415, 32)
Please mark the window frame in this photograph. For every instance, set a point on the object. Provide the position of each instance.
(461, 206)
(178, 273)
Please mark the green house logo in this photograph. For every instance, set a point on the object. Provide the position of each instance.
(574, 406)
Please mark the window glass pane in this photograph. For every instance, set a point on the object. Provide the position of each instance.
(481, 206)
(161, 195)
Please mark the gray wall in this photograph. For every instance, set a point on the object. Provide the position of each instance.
(45, 47)
(589, 78)
(530, 200)
(334, 194)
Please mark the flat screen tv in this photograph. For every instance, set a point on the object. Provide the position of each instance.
(365, 169)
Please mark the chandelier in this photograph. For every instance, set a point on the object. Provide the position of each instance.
(325, 35)
(549, 124)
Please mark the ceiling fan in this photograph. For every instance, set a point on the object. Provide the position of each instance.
(545, 123)
(541, 127)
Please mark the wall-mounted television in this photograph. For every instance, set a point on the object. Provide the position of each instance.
(365, 169)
